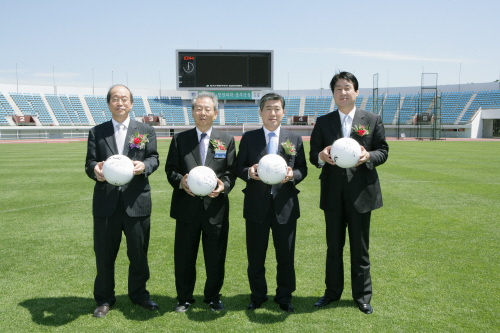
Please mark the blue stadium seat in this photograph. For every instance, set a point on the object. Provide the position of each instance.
(241, 114)
(32, 105)
(5, 110)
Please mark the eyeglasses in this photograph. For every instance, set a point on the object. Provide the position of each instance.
(116, 99)
(200, 110)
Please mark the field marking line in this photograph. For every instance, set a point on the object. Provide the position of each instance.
(51, 204)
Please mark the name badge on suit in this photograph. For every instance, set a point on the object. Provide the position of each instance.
(220, 153)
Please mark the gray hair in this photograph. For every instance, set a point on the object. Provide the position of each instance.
(209, 95)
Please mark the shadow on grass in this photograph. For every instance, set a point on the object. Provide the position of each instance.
(58, 311)
(270, 312)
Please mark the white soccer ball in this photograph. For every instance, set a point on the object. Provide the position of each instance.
(272, 169)
(202, 180)
(345, 152)
(118, 170)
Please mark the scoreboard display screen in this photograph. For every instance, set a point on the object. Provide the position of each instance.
(224, 70)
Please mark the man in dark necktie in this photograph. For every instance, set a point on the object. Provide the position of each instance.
(271, 207)
(206, 217)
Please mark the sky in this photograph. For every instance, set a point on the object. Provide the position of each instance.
(90, 43)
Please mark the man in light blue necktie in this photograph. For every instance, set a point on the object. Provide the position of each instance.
(348, 195)
(272, 146)
(346, 126)
(269, 207)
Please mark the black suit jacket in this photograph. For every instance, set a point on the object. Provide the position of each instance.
(136, 194)
(252, 148)
(364, 186)
(184, 155)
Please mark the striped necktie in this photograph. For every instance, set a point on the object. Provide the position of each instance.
(120, 137)
(345, 126)
(202, 148)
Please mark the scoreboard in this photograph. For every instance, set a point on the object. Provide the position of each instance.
(224, 70)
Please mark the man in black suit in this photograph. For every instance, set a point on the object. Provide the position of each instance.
(271, 207)
(206, 216)
(125, 208)
(348, 195)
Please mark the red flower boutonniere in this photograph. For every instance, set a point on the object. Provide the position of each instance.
(218, 145)
(361, 130)
(138, 140)
(289, 147)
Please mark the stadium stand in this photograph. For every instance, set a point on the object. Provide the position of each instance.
(483, 99)
(359, 101)
(409, 108)
(171, 109)
(317, 105)
(292, 106)
(369, 104)
(68, 110)
(138, 110)
(452, 105)
(32, 105)
(241, 114)
(98, 108)
(390, 106)
(5, 110)
(177, 110)
(457, 108)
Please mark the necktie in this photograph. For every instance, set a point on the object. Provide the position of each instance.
(271, 145)
(120, 137)
(345, 126)
(202, 148)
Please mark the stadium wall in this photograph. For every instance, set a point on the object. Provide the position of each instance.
(475, 87)
(481, 126)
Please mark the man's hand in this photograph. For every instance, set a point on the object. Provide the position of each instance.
(289, 175)
(98, 172)
(185, 186)
(139, 167)
(365, 157)
(252, 172)
(218, 190)
(325, 156)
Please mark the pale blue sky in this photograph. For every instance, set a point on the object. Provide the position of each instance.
(134, 42)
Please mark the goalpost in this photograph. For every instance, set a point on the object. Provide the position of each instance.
(250, 126)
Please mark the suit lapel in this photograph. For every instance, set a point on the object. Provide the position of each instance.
(336, 125)
(260, 143)
(109, 137)
(194, 145)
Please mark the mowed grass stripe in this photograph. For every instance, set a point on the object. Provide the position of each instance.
(434, 249)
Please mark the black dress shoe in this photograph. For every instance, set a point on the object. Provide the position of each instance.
(325, 300)
(288, 307)
(101, 311)
(254, 305)
(182, 307)
(149, 305)
(216, 306)
(365, 308)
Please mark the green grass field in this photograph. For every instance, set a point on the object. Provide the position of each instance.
(434, 250)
